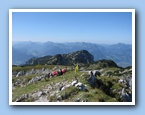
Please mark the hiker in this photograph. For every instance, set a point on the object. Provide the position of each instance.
(64, 70)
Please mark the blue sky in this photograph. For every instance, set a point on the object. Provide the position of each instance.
(103, 27)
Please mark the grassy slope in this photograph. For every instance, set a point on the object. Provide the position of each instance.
(94, 95)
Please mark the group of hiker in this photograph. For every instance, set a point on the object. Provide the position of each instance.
(56, 73)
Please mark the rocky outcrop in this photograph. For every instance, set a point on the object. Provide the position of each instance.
(82, 57)
(105, 63)
(37, 61)
(20, 73)
(35, 79)
(22, 98)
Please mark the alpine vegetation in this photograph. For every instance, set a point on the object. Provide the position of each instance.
(72, 77)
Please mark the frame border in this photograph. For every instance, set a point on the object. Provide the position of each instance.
(71, 10)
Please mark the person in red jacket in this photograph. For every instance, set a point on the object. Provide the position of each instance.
(64, 70)
(55, 73)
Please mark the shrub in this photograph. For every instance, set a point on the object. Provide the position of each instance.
(68, 92)
(52, 98)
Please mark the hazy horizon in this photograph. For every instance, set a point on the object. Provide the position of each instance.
(73, 42)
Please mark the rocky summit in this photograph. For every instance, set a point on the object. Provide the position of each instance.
(80, 57)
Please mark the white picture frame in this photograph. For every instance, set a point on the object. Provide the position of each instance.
(71, 10)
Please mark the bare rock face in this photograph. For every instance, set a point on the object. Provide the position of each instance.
(42, 99)
(20, 73)
(37, 94)
(22, 98)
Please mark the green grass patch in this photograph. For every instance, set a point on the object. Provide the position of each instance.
(69, 92)
(28, 89)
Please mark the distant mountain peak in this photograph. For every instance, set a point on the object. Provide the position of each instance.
(120, 53)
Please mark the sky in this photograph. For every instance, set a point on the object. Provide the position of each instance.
(93, 27)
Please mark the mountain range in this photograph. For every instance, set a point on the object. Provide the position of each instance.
(120, 53)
